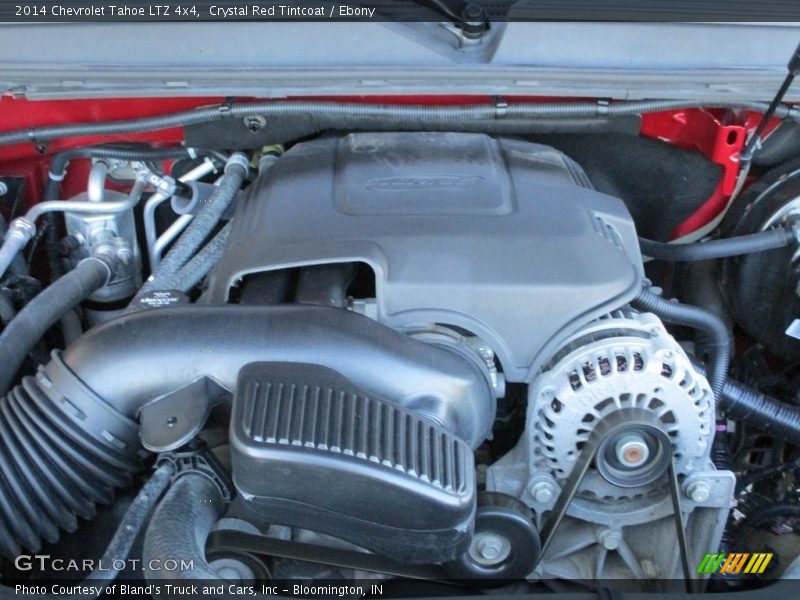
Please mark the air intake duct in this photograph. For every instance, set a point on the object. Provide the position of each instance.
(69, 435)
(59, 456)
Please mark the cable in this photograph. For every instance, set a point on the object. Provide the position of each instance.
(421, 113)
(779, 237)
(754, 143)
(719, 340)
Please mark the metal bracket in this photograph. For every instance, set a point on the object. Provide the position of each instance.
(606, 428)
(174, 419)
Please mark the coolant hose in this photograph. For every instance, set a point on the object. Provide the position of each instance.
(779, 237)
(41, 313)
(236, 170)
(180, 527)
(718, 338)
(69, 435)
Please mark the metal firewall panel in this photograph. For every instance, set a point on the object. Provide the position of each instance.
(501, 237)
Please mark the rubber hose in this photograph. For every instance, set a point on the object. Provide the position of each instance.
(51, 469)
(132, 523)
(121, 544)
(763, 412)
(774, 510)
(41, 313)
(780, 237)
(285, 109)
(180, 527)
(743, 403)
(7, 310)
(18, 266)
(718, 339)
(50, 222)
(69, 435)
(200, 228)
(197, 268)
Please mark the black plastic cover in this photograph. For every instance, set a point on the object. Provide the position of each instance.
(310, 450)
(499, 237)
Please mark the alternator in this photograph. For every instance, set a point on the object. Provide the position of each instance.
(621, 518)
(626, 360)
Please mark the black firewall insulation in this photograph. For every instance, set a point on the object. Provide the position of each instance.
(661, 185)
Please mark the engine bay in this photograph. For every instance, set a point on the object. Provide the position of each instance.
(490, 360)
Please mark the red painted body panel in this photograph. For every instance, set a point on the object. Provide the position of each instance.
(718, 134)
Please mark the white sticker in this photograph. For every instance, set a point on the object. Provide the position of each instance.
(793, 330)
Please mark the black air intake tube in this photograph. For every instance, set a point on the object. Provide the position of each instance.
(68, 437)
(54, 463)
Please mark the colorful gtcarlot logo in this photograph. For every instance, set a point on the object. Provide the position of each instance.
(734, 563)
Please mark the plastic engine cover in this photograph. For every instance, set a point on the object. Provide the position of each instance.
(309, 450)
(503, 238)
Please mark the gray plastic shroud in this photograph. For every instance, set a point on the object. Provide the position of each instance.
(394, 484)
(501, 237)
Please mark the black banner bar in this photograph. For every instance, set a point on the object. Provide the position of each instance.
(396, 10)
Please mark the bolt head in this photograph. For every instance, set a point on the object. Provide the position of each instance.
(632, 450)
(125, 255)
(610, 539)
(255, 124)
(489, 548)
(699, 491)
(542, 492)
